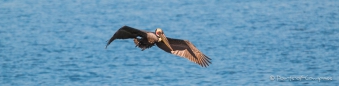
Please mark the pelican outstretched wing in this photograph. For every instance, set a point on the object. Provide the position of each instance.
(126, 32)
(186, 49)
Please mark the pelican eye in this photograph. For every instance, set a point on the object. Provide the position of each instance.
(158, 33)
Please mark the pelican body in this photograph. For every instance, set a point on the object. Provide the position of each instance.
(182, 48)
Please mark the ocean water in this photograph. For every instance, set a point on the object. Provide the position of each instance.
(259, 42)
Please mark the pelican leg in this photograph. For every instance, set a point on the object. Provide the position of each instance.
(136, 42)
(141, 44)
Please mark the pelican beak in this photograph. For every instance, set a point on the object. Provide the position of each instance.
(164, 39)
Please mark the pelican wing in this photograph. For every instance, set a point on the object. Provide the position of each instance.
(186, 49)
(126, 32)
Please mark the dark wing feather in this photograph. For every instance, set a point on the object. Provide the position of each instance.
(126, 32)
(185, 49)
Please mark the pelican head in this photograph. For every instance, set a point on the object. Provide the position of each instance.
(163, 38)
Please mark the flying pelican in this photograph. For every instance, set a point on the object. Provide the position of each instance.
(182, 48)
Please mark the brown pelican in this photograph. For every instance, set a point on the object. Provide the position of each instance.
(182, 48)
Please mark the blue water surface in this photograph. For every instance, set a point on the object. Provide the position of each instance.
(251, 42)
